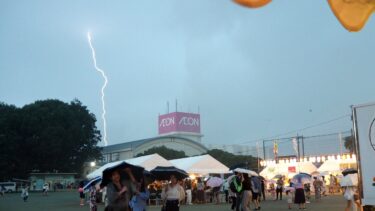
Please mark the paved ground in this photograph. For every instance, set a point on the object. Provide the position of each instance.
(69, 201)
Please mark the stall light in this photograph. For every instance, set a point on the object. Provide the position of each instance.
(305, 159)
(318, 159)
(338, 157)
(192, 176)
(323, 158)
(354, 157)
(313, 159)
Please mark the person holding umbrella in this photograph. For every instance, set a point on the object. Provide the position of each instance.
(119, 192)
(300, 197)
(173, 194)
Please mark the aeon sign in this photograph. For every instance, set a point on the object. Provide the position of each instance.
(179, 122)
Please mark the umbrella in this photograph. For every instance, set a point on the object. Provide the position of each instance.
(289, 189)
(315, 173)
(278, 176)
(215, 182)
(349, 171)
(165, 172)
(271, 181)
(301, 178)
(246, 171)
(148, 177)
(230, 178)
(349, 180)
(107, 173)
(324, 173)
(91, 182)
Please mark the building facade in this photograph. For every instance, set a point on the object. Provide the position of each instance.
(178, 131)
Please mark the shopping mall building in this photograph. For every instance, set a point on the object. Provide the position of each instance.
(178, 131)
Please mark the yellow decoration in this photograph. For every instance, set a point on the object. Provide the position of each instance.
(252, 3)
(352, 14)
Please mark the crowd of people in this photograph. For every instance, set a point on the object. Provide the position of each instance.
(241, 191)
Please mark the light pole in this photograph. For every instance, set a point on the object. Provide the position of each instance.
(92, 165)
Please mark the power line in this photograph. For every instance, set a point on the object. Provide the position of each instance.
(294, 131)
(286, 140)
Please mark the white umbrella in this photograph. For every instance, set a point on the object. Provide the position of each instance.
(246, 171)
(349, 180)
(230, 178)
(324, 173)
(215, 182)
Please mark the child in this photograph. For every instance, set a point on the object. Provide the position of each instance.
(81, 195)
(289, 197)
(307, 192)
(25, 193)
(93, 206)
(273, 190)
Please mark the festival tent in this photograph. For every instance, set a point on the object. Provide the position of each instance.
(287, 169)
(148, 162)
(201, 165)
(336, 166)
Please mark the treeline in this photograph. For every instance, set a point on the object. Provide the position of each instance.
(46, 136)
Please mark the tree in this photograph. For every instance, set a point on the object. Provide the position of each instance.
(230, 159)
(165, 152)
(350, 144)
(47, 136)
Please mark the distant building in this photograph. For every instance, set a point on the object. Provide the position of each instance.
(237, 149)
(37, 180)
(178, 131)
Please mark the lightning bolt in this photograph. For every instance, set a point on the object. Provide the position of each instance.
(102, 90)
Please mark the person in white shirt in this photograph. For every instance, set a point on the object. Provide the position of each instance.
(173, 194)
(45, 189)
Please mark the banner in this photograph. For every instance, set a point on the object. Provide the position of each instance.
(179, 122)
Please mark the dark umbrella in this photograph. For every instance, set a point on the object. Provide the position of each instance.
(165, 172)
(349, 171)
(120, 167)
(148, 177)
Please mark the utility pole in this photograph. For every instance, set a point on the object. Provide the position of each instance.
(303, 147)
(258, 154)
(340, 142)
(264, 151)
(298, 153)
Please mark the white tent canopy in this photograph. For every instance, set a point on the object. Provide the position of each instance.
(148, 162)
(334, 166)
(202, 165)
(284, 169)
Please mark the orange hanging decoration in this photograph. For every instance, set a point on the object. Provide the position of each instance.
(352, 14)
(252, 3)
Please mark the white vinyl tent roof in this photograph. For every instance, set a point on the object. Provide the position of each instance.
(333, 166)
(148, 162)
(203, 165)
(272, 170)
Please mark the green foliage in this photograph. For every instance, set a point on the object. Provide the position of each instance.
(165, 152)
(230, 159)
(350, 144)
(46, 136)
